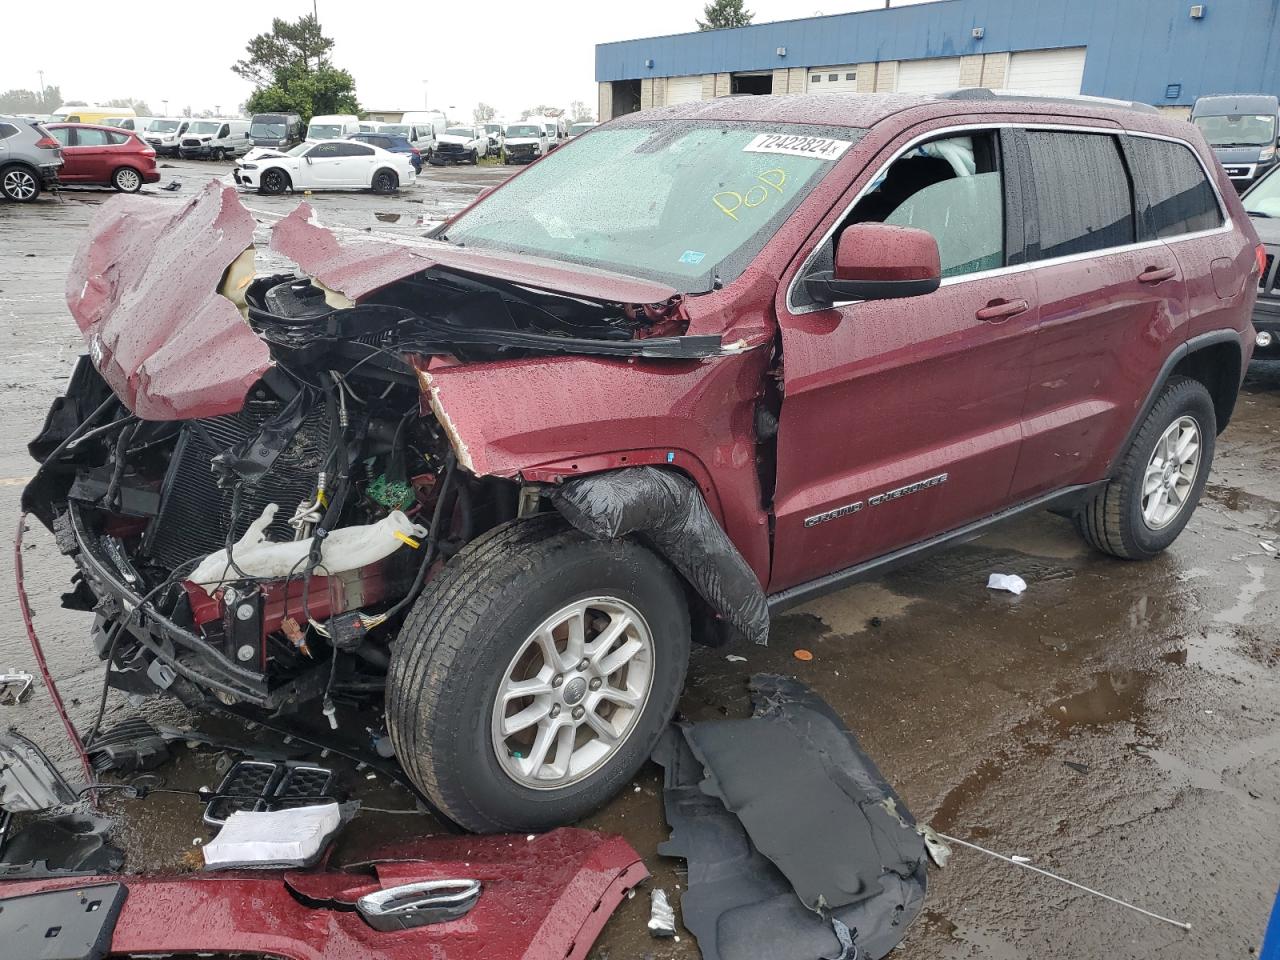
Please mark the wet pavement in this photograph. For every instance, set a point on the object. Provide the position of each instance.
(1119, 723)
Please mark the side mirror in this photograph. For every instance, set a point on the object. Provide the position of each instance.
(878, 261)
(307, 158)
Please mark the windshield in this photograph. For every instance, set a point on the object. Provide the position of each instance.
(461, 132)
(299, 150)
(579, 128)
(1238, 129)
(163, 126)
(271, 130)
(204, 126)
(400, 128)
(681, 202)
(493, 128)
(1264, 199)
(524, 130)
(324, 131)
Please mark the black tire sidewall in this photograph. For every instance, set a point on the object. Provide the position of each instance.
(384, 182)
(1182, 398)
(274, 176)
(463, 748)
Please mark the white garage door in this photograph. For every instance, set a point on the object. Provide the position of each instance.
(929, 76)
(684, 89)
(1056, 73)
(833, 79)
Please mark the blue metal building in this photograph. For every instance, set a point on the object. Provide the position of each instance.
(1165, 52)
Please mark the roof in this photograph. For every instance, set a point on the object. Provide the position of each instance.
(868, 109)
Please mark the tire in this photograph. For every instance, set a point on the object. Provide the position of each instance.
(217, 155)
(1121, 519)
(384, 181)
(126, 180)
(19, 184)
(475, 158)
(455, 653)
(273, 181)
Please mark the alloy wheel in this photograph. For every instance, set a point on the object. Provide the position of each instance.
(1171, 473)
(128, 180)
(20, 185)
(573, 693)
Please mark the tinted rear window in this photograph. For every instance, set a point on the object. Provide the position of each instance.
(1083, 194)
(7, 130)
(1176, 195)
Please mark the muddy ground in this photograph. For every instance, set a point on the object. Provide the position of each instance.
(1119, 723)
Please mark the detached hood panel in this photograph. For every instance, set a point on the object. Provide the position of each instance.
(358, 268)
(143, 290)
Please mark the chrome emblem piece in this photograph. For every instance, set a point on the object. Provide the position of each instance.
(910, 488)
(838, 512)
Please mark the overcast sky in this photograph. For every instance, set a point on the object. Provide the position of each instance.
(508, 53)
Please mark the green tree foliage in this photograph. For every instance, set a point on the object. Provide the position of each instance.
(724, 13)
(30, 101)
(291, 72)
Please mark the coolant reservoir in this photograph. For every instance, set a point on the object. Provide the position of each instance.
(346, 548)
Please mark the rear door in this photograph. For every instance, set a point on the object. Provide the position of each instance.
(356, 164)
(1112, 307)
(900, 419)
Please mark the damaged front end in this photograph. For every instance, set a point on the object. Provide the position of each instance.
(253, 475)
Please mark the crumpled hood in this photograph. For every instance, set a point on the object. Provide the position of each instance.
(143, 290)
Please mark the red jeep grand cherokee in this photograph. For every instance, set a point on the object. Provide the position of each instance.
(701, 364)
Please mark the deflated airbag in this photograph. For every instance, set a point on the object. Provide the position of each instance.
(668, 511)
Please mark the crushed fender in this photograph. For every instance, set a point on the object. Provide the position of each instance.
(791, 834)
(668, 511)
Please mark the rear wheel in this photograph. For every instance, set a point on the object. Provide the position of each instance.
(19, 184)
(1158, 483)
(127, 180)
(274, 181)
(385, 181)
(535, 674)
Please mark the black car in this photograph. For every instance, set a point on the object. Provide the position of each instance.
(1262, 203)
(395, 142)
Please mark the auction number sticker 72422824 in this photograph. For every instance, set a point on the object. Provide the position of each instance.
(820, 148)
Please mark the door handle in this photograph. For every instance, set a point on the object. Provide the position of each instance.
(998, 310)
(1156, 274)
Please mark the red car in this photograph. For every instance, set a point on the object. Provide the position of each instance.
(105, 155)
(703, 364)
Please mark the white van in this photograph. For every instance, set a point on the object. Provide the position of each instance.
(525, 141)
(135, 124)
(215, 139)
(333, 126)
(427, 126)
(164, 134)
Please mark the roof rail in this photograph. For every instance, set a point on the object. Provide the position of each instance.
(985, 93)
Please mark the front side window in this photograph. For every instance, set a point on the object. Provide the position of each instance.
(952, 188)
(1178, 196)
(1084, 199)
(324, 151)
(682, 202)
(1238, 129)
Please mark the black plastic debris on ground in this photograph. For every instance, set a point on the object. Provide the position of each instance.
(789, 831)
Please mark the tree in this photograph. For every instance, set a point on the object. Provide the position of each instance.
(291, 72)
(483, 113)
(721, 14)
(140, 107)
(30, 101)
(579, 112)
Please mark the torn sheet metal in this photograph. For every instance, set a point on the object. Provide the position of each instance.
(143, 288)
(668, 511)
(28, 781)
(356, 268)
(73, 845)
(545, 897)
(756, 875)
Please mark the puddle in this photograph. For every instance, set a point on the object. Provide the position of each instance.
(1248, 593)
(1176, 657)
(1114, 697)
(958, 797)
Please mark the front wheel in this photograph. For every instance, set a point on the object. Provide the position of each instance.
(19, 184)
(1158, 483)
(273, 181)
(535, 674)
(475, 158)
(385, 181)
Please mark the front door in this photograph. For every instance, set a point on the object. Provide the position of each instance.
(901, 418)
(324, 166)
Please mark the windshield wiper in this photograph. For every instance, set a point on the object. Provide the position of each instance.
(1259, 213)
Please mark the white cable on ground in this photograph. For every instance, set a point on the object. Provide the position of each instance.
(1072, 883)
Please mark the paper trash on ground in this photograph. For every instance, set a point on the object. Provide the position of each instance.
(1006, 581)
(294, 836)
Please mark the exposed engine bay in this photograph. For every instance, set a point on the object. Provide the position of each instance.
(240, 554)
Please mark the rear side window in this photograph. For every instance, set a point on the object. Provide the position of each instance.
(1176, 196)
(7, 130)
(118, 138)
(90, 137)
(1083, 196)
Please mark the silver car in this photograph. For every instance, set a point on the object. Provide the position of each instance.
(29, 159)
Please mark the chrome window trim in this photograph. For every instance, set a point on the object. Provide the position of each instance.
(1060, 127)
